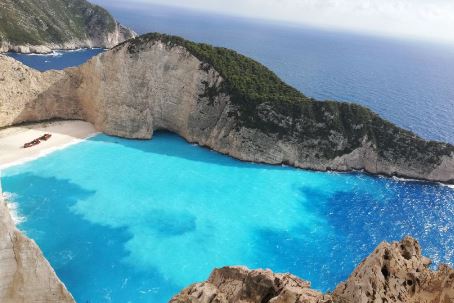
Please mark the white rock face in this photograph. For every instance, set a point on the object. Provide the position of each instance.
(130, 94)
(25, 275)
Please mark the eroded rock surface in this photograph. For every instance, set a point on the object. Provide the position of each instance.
(397, 272)
(393, 273)
(25, 275)
(239, 284)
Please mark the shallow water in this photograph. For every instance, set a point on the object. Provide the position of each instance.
(136, 221)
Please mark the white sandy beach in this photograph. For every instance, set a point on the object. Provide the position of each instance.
(63, 133)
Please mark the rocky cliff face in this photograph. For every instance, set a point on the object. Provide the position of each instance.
(395, 272)
(160, 82)
(25, 275)
(37, 26)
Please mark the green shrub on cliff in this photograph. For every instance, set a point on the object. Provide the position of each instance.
(249, 80)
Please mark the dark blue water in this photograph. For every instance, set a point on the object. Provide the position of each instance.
(56, 60)
(136, 221)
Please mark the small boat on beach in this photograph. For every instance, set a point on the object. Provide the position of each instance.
(32, 143)
(37, 141)
(45, 137)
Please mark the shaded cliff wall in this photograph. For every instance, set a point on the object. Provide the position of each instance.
(27, 95)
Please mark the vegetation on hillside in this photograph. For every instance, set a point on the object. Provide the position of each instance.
(266, 102)
(38, 22)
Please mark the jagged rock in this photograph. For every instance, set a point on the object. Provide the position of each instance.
(160, 82)
(397, 272)
(239, 284)
(393, 273)
(40, 26)
(25, 275)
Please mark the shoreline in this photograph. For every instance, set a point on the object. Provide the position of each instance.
(69, 132)
(64, 134)
(53, 51)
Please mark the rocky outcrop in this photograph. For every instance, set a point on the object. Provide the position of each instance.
(42, 26)
(395, 272)
(239, 284)
(25, 275)
(160, 82)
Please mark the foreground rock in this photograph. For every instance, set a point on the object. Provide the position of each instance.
(397, 272)
(393, 273)
(219, 99)
(239, 284)
(40, 26)
(25, 275)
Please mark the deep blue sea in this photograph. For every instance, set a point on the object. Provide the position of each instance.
(136, 221)
(58, 59)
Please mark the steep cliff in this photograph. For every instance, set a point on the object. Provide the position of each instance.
(395, 272)
(40, 26)
(25, 275)
(230, 103)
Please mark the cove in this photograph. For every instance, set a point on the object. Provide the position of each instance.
(136, 221)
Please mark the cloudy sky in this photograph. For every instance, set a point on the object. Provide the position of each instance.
(421, 19)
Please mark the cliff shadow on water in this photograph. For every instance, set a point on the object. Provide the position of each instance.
(179, 147)
(77, 248)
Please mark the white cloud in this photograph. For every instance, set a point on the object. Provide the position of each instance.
(431, 19)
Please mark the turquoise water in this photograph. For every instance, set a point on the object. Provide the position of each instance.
(136, 221)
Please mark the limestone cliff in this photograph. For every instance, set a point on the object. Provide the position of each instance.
(25, 275)
(393, 273)
(222, 100)
(40, 26)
